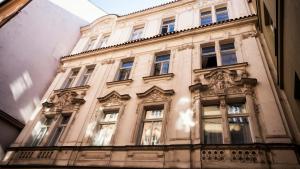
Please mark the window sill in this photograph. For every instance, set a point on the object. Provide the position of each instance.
(119, 82)
(73, 88)
(168, 76)
(231, 67)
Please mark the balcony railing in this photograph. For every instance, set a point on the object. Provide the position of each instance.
(159, 156)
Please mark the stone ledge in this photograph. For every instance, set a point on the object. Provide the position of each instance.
(167, 76)
(119, 82)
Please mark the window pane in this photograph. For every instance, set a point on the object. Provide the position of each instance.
(154, 114)
(227, 46)
(209, 61)
(228, 58)
(124, 74)
(65, 119)
(168, 26)
(165, 68)
(236, 109)
(84, 80)
(127, 64)
(110, 117)
(151, 133)
(213, 131)
(239, 130)
(39, 136)
(164, 29)
(206, 18)
(228, 54)
(157, 68)
(222, 14)
(209, 58)
(55, 137)
(171, 27)
(103, 135)
(211, 110)
(162, 58)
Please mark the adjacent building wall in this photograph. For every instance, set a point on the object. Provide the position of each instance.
(31, 44)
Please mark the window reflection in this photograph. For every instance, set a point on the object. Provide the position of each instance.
(152, 127)
(105, 129)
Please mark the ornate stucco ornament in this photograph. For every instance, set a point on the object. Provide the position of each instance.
(222, 81)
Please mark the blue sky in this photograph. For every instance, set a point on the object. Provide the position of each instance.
(122, 7)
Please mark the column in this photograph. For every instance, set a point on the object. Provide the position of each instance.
(223, 109)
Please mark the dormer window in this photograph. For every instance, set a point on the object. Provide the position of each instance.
(103, 41)
(137, 33)
(222, 14)
(206, 18)
(168, 25)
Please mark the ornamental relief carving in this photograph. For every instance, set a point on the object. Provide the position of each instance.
(113, 99)
(223, 81)
(64, 101)
(155, 94)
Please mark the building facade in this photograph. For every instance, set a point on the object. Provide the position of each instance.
(180, 85)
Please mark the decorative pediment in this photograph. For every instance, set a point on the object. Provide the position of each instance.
(156, 94)
(223, 81)
(114, 98)
(65, 100)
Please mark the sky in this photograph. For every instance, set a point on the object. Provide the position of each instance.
(84, 9)
(122, 7)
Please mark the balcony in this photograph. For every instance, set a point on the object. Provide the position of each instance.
(159, 156)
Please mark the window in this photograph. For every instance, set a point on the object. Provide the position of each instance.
(152, 126)
(161, 65)
(91, 43)
(222, 14)
(137, 33)
(228, 54)
(238, 124)
(237, 120)
(125, 69)
(297, 87)
(209, 58)
(70, 80)
(206, 18)
(212, 125)
(103, 41)
(87, 75)
(39, 131)
(167, 26)
(105, 128)
(59, 130)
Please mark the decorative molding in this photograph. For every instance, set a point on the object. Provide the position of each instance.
(114, 98)
(222, 81)
(167, 76)
(155, 93)
(231, 67)
(65, 100)
(85, 87)
(107, 61)
(119, 82)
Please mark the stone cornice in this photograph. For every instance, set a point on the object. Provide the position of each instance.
(159, 77)
(167, 36)
(114, 94)
(149, 91)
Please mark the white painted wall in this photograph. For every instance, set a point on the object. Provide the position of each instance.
(31, 44)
